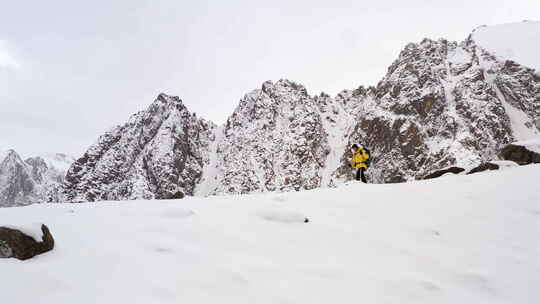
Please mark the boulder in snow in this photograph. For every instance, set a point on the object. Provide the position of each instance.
(484, 167)
(20, 245)
(439, 173)
(523, 153)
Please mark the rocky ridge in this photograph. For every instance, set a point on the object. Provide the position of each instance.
(441, 104)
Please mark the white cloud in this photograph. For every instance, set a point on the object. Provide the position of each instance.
(7, 59)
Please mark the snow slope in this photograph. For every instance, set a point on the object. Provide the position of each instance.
(458, 239)
(519, 42)
(532, 144)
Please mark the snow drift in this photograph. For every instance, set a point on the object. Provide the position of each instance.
(458, 239)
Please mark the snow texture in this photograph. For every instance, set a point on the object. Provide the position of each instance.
(459, 239)
(532, 144)
(504, 164)
(519, 42)
(283, 216)
(32, 230)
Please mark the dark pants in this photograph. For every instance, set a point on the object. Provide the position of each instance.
(360, 175)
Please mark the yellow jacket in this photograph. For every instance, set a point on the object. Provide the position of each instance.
(359, 159)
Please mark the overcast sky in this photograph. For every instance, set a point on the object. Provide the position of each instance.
(70, 70)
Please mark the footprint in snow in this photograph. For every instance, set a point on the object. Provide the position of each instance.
(177, 213)
(283, 216)
(278, 198)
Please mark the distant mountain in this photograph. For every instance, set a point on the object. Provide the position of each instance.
(158, 154)
(34, 180)
(441, 103)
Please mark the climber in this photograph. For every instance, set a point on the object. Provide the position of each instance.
(360, 161)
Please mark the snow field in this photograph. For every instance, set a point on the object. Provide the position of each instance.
(460, 239)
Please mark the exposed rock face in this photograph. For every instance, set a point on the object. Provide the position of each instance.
(444, 103)
(36, 179)
(441, 103)
(159, 153)
(14, 243)
(17, 187)
(275, 140)
(439, 173)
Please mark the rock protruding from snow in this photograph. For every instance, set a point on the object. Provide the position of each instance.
(158, 154)
(17, 244)
(439, 173)
(523, 152)
(484, 167)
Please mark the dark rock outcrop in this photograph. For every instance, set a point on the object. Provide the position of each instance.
(484, 167)
(14, 243)
(439, 173)
(519, 154)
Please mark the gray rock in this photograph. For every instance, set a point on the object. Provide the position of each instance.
(5, 250)
(14, 243)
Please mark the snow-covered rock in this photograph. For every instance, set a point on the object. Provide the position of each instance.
(25, 243)
(488, 166)
(274, 140)
(523, 152)
(159, 153)
(445, 172)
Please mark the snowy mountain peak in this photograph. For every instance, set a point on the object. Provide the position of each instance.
(168, 99)
(159, 153)
(519, 42)
(11, 154)
(441, 103)
(282, 85)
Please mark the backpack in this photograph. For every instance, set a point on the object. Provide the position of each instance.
(368, 161)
